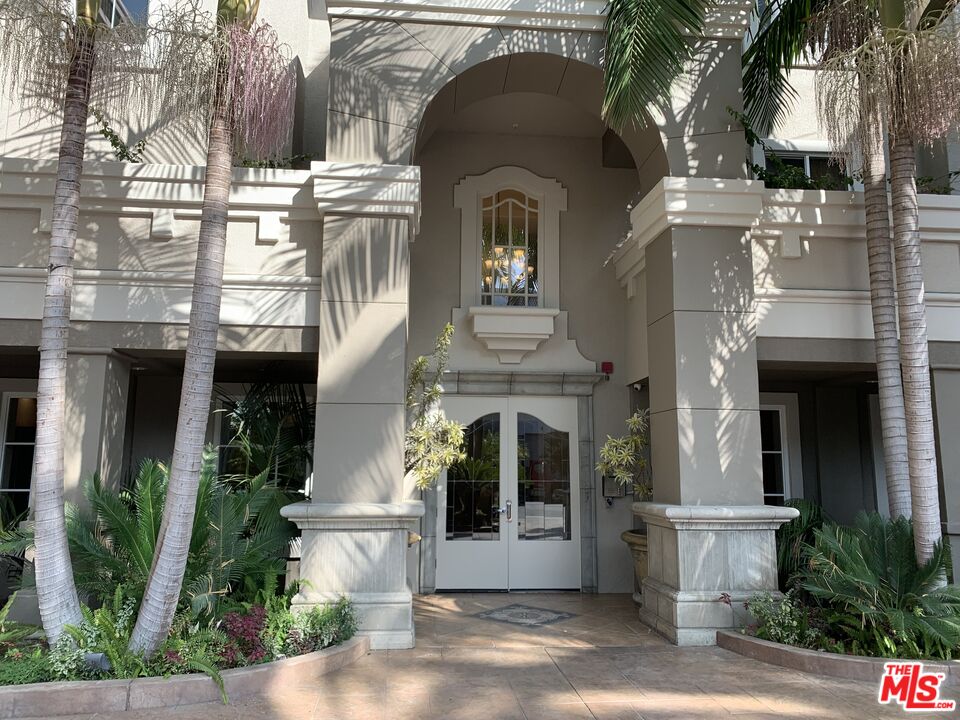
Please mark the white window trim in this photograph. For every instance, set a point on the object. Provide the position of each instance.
(787, 405)
(552, 199)
(5, 399)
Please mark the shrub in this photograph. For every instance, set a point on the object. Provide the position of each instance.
(784, 620)
(321, 627)
(23, 666)
(244, 633)
(875, 598)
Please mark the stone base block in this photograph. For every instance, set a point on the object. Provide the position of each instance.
(704, 562)
(359, 551)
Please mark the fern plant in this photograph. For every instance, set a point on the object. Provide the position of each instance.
(876, 599)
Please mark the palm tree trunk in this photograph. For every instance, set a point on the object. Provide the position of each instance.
(883, 303)
(56, 591)
(170, 558)
(914, 355)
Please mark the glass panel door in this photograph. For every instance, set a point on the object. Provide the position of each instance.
(473, 484)
(508, 516)
(543, 480)
(545, 538)
(471, 515)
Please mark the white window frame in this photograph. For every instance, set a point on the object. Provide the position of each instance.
(787, 406)
(5, 399)
(551, 197)
(796, 148)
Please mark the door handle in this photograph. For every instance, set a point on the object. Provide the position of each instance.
(508, 509)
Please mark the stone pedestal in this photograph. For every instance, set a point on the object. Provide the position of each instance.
(358, 550)
(637, 542)
(704, 562)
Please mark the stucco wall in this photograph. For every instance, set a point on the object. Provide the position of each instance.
(595, 219)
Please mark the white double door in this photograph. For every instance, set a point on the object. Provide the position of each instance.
(508, 516)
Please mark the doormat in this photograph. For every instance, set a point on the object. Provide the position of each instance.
(525, 615)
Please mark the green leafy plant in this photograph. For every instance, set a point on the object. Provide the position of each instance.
(301, 160)
(320, 627)
(624, 458)
(107, 630)
(783, 620)
(779, 174)
(876, 599)
(237, 547)
(12, 633)
(432, 442)
(272, 430)
(942, 185)
(23, 666)
(121, 150)
(794, 537)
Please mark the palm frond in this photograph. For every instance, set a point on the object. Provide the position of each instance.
(782, 38)
(648, 44)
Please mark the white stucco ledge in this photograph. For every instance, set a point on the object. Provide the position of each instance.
(305, 511)
(715, 517)
(512, 332)
(346, 188)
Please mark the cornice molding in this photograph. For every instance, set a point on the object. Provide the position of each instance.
(784, 217)
(729, 19)
(341, 188)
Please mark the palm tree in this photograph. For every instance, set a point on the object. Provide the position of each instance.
(250, 109)
(783, 37)
(58, 56)
(879, 59)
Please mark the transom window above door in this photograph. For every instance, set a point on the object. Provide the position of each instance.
(510, 236)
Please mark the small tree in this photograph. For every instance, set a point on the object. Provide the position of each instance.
(432, 443)
(624, 458)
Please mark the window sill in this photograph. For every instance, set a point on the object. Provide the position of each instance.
(512, 332)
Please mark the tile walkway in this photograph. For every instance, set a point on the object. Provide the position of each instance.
(601, 664)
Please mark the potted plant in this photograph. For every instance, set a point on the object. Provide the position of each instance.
(624, 460)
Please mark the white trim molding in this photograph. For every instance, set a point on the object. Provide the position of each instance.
(674, 201)
(270, 198)
(729, 19)
(341, 188)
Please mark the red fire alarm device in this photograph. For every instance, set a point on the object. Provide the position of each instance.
(606, 367)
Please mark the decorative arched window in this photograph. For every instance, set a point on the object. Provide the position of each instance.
(508, 249)
(510, 258)
(510, 239)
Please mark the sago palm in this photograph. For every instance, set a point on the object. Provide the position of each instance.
(876, 594)
(57, 55)
(238, 539)
(252, 92)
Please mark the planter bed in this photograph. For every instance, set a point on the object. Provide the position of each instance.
(848, 667)
(99, 696)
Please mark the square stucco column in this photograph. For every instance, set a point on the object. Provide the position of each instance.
(710, 538)
(946, 392)
(355, 525)
(96, 411)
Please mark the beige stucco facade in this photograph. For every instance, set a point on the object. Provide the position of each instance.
(716, 301)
